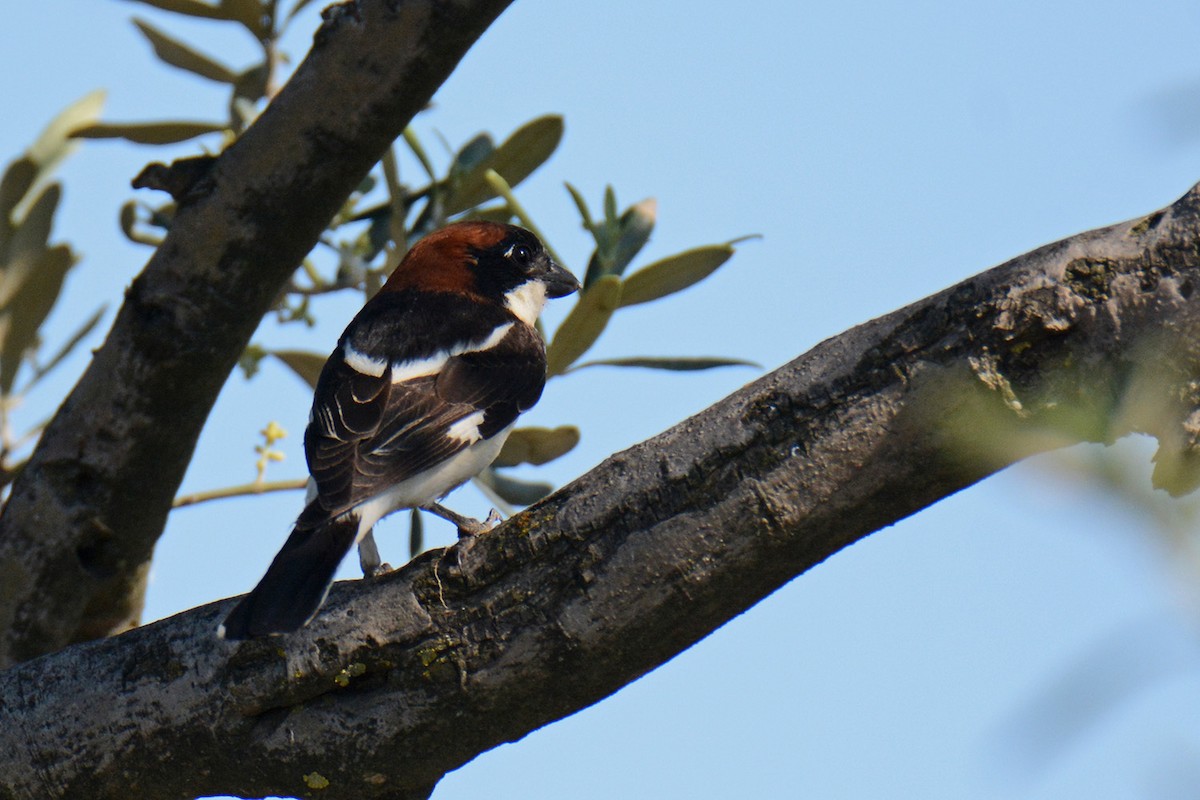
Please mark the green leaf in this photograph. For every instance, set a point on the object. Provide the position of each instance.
(304, 363)
(55, 142)
(180, 55)
(637, 223)
(683, 364)
(474, 155)
(296, 9)
(500, 213)
(584, 213)
(251, 13)
(674, 273)
(18, 177)
(53, 145)
(513, 490)
(584, 324)
(149, 132)
(128, 220)
(192, 8)
(29, 307)
(27, 242)
(515, 160)
(537, 446)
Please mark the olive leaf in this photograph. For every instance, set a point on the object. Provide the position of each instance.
(149, 132)
(304, 363)
(515, 160)
(182, 56)
(674, 273)
(584, 324)
(537, 446)
(513, 490)
(28, 307)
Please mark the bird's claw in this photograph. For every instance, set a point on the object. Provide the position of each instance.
(473, 527)
(378, 571)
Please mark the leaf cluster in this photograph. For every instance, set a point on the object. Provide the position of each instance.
(32, 272)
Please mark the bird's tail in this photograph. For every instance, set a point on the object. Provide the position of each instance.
(296, 583)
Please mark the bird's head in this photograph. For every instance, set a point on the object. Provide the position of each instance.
(489, 261)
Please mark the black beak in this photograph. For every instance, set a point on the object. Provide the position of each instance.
(558, 281)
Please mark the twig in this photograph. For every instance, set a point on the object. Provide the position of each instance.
(258, 487)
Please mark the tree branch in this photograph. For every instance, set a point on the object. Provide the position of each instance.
(80, 525)
(403, 678)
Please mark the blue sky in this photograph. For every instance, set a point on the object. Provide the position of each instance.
(884, 151)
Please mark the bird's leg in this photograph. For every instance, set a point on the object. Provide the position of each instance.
(368, 557)
(466, 525)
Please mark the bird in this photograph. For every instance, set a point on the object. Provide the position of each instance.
(418, 397)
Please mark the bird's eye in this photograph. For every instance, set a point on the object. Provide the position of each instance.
(520, 254)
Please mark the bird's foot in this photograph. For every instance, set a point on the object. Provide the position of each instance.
(377, 571)
(467, 526)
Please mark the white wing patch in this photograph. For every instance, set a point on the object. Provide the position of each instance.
(419, 367)
(526, 301)
(467, 428)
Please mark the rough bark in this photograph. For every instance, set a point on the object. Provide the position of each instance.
(403, 678)
(80, 525)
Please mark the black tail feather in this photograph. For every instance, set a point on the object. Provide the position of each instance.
(296, 583)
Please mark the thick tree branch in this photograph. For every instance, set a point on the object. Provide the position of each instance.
(81, 523)
(403, 678)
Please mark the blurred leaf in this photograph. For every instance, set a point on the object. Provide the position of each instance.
(18, 177)
(27, 243)
(89, 324)
(150, 132)
(581, 204)
(51, 146)
(472, 156)
(250, 359)
(537, 445)
(418, 150)
(515, 160)
(583, 324)
(30, 306)
(304, 363)
(192, 8)
(129, 220)
(416, 533)
(55, 142)
(296, 9)
(251, 13)
(685, 364)
(636, 225)
(500, 213)
(674, 273)
(513, 490)
(177, 54)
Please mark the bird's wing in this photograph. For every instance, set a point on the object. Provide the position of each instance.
(368, 434)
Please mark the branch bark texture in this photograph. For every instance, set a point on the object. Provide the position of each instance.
(403, 678)
(80, 525)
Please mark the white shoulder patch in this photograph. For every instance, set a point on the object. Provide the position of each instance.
(361, 362)
(419, 367)
(526, 301)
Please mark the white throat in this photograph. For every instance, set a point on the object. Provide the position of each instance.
(526, 301)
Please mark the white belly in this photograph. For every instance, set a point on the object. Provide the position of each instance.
(431, 484)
